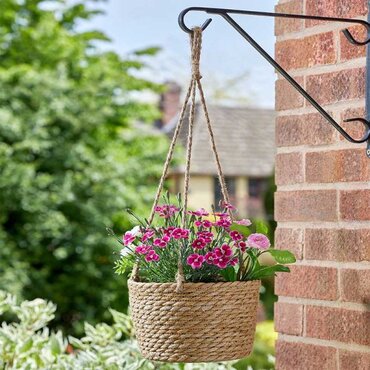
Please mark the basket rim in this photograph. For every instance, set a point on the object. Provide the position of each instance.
(174, 284)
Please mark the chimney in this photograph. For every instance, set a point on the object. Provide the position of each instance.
(169, 103)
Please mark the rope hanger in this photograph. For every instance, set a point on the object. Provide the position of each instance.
(194, 86)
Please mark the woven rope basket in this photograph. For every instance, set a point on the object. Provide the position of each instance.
(205, 322)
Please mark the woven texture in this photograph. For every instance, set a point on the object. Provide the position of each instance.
(205, 322)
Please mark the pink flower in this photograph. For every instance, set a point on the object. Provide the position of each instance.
(244, 222)
(168, 231)
(207, 236)
(198, 243)
(152, 256)
(210, 258)
(207, 224)
(166, 211)
(161, 243)
(223, 251)
(242, 246)
(128, 238)
(222, 262)
(222, 214)
(200, 212)
(258, 241)
(195, 260)
(179, 233)
(223, 222)
(143, 249)
(234, 261)
(147, 235)
(228, 206)
(236, 236)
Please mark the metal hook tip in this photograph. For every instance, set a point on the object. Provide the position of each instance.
(206, 24)
(352, 40)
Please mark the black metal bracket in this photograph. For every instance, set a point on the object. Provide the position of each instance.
(225, 13)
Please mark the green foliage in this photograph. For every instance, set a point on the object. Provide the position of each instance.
(71, 159)
(282, 256)
(28, 343)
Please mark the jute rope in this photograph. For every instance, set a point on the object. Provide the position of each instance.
(195, 84)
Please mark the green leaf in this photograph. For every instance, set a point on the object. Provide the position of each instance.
(229, 273)
(54, 344)
(27, 346)
(261, 228)
(266, 271)
(282, 256)
(242, 229)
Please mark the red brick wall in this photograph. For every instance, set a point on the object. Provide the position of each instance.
(322, 204)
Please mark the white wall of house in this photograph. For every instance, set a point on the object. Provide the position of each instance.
(202, 192)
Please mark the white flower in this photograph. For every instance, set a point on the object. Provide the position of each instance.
(124, 252)
(135, 231)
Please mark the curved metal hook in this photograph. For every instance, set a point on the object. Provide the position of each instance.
(352, 40)
(366, 137)
(183, 25)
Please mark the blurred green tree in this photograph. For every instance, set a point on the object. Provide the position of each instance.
(71, 159)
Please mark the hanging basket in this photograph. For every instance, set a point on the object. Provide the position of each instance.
(205, 322)
(193, 322)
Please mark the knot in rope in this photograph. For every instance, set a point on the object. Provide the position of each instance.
(196, 48)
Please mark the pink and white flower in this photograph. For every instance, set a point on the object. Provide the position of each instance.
(148, 234)
(143, 249)
(206, 224)
(195, 260)
(210, 258)
(152, 256)
(198, 243)
(223, 251)
(179, 233)
(200, 212)
(128, 238)
(223, 222)
(242, 245)
(259, 241)
(166, 211)
(244, 222)
(161, 243)
(236, 236)
(207, 236)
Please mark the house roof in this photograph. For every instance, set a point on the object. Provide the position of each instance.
(245, 140)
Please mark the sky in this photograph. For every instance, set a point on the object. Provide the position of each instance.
(233, 72)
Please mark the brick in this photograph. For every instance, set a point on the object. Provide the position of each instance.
(355, 285)
(334, 8)
(349, 51)
(337, 166)
(306, 52)
(354, 360)
(289, 169)
(355, 129)
(342, 245)
(290, 239)
(333, 87)
(288, 318)
(307, 129)
(286, 96)
(286, 25)
(295, 356)
(343, 325)
(355, 205)
(308, 282)
(306, 205)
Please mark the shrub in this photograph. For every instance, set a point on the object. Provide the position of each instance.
(27, 343)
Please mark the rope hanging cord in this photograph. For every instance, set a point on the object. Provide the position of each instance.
(195, 84)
